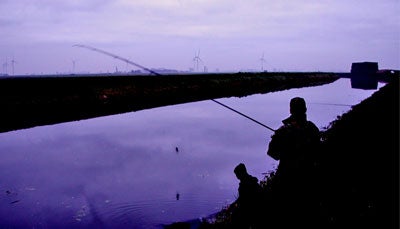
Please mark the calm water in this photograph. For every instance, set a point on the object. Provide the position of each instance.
(151, 167)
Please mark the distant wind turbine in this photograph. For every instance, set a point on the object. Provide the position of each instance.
(262, 62)
(196, 59)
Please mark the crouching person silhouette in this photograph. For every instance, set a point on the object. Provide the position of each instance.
(246, 207)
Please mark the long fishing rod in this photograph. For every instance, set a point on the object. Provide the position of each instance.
(155, 73)
(117, 57)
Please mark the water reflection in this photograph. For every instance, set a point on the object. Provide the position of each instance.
(363, 75)
(366, 82)
(147, 168)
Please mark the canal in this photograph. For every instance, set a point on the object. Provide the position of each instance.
(151, 167)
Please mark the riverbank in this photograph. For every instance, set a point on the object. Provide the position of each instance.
(359, 172)
(355, 183)
(33, 101)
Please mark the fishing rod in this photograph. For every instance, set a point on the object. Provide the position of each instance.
(117, 57)
(230, 108)
(158, 74)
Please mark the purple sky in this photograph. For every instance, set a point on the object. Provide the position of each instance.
(231, 35)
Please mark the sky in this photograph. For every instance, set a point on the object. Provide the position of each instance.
(38, 36)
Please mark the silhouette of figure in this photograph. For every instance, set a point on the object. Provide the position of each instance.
(295, 144)
(245, 208)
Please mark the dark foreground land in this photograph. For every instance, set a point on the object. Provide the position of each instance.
(33, 101)
(360, 164)
(355, 183)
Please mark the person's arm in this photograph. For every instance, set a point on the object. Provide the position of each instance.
(272, 150)
(276, 144)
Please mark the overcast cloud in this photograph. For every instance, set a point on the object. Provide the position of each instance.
(231, 35)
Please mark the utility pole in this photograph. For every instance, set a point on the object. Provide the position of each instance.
(262, 62)
(13, 62)
(73, 66)
(5, 67)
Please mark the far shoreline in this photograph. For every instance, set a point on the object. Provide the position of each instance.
(43, 100)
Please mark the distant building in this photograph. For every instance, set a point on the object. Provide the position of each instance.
(363, 75)
(364, 68)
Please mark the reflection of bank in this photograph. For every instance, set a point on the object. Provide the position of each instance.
(363, 75)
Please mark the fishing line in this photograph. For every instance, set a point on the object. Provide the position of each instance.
(158, 74)
(334, 104)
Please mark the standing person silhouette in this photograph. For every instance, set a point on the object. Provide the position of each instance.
(295, 144)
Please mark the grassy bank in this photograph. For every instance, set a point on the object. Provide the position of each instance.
(360, 164)
(34, 101)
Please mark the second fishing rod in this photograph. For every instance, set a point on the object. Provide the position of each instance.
(155, 73)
